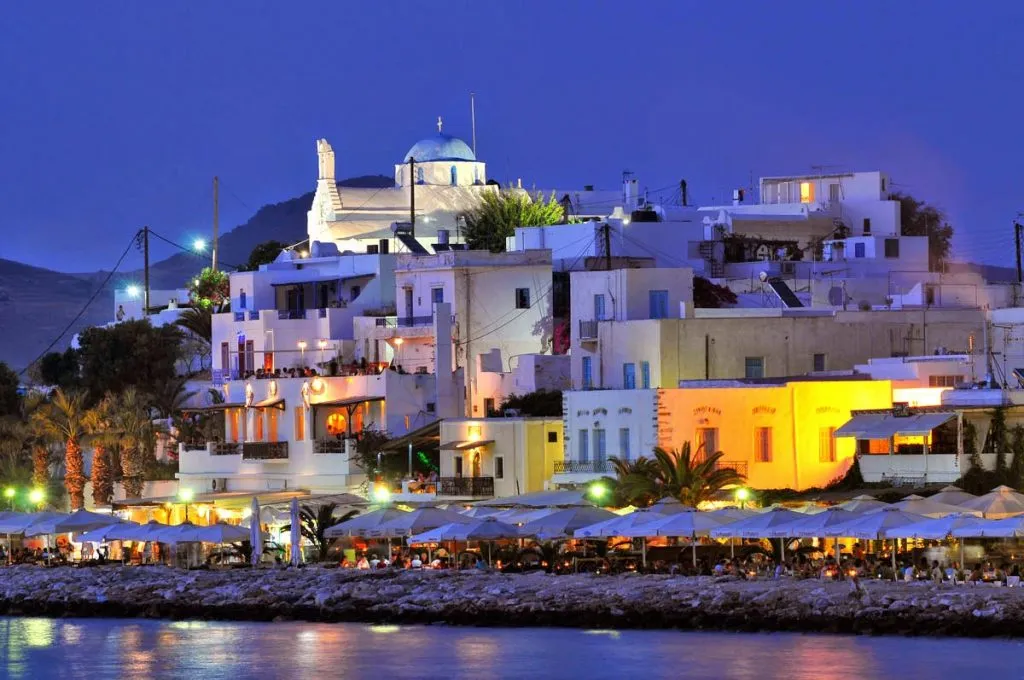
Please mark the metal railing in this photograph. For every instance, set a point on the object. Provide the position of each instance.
(465, 486)
(225, 449)
(406, 321)
(254, 315)
(739, 466)
(287, 314)
(239, 316)
(265, 451)
(588, 330)
(329, 446)
(569, 466)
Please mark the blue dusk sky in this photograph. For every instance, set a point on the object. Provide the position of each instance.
(118, 114)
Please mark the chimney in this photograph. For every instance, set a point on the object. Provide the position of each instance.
(683, 196)
(448, 402)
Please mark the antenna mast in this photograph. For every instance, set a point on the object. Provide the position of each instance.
(472, 117)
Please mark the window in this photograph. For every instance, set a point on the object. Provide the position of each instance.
(259, 425)
(806, 192)
(225, 356)
(458, 465)
(867, 226)
(431, 407)
(819, 362)
(583, 446)
(763, 444)
(241, 299)
(300, 423)
(233, 420)
(659, 304)
(629, 376)
(455, 175)
(883, 184)
(753, 367)
(250, 355)
(420, 175)
(522, 298)
(707, 442)
(645, 375)
(588, 375)
(600, 445)
(552, 437)
(624, 443)
(489, 409)
(833, 192)
(599, 307)
(356, 290)
(858, 250)
(892, 248)
(499, 467)
(437, 295)
(944, 380)
(826, 445)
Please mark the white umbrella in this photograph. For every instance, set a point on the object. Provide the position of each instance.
(524, 515)
(759, 526)
(296, 533)
(178, 533)
(221, 533)
(875, 525)
(19, 522)
(732, 514)
(134, 532)
(670, 506)
(862, 503)
(479, 511)
(79, 520)
(633, 525)
(416, 522)
(563, 523)
(941, 527)
(360, 524)
(690, 524)
(1001, 502)
(540, 499)
(485, 529)
(929, 507)
(816, 525)
(952, 495)
(255, 536)
(1008, 527)
(103, 534)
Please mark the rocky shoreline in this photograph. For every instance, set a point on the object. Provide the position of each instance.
(487, 599)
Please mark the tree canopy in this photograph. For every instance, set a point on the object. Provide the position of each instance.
(211, 289)
(10, 400)
(263, 253)
(59, 369)
(684, 475)
(500, 212)
(917, 218)
(536, 404)
(709, 295)
(128, 354)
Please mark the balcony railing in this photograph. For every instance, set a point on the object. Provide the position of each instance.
(239, 316)
(265, 451)
(465, 486)
(286, 314)
(571, 466)
(225, 449)
(588, 330)
(329, 446)
(254, 315)
(739, 466)
(406, 321)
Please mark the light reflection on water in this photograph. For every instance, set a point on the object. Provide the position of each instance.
(100, 649)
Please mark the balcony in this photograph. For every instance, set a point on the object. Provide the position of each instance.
(739, 466)
(406, 321)
(263, 451)
(565, 467)
(472, 487)
(254, 315)
(225, 449)
(588, 330)
(291, 314)
(334, 446)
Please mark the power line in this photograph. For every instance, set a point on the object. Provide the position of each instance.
(190, 251)
(85, 307)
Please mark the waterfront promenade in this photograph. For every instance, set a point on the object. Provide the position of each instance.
(489, 599)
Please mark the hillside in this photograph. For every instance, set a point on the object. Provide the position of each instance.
(36, 303)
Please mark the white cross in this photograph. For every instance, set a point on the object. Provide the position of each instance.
(439, 123)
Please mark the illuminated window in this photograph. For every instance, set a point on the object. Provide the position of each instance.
(806, 192)
(826, 445)
(475, 432)
(335, 424)
(600, 444)
(944, 380)
(763, 444)
(272, 425)
(259, 426)
(300, 424)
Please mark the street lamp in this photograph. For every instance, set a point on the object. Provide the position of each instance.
(9, 494)
(322, 344)
(381, 493)
(133, 291)
(36, 496)
(186, 496)
(199, 245)
(302, 349)
(597, 491)
(742, 495)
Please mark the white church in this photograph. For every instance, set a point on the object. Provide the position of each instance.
(440, 176)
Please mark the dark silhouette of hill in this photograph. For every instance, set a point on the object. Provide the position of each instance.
(37, 303)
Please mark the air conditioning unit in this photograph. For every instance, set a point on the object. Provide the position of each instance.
(219, 484)
(787, 268)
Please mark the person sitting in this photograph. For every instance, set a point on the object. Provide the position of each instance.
(416, 562)
(363, 563)
(936, 572)
(977, 575)
(480, 564)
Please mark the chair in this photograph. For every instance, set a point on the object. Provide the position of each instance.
(1013, 581)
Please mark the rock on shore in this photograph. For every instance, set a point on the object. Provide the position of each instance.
(488, 599)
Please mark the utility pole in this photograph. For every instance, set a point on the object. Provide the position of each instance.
(216, 219)
(145, 268)
(1017, 227)
(607, 247)
(412, 196)
(472, 117)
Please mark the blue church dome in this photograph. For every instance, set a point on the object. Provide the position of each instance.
(441, 147)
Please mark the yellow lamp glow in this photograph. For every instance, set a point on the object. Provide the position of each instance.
(742, 494)
(9, 492)
(186, 495)
(302, 344)
(381, 494)
(399, 341)
(199, 245)
(36, 496)
(597, 491)
(133, 291)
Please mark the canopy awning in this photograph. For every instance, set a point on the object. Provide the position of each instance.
(273, 402)
(461, 445)
(304, 277)
(886, 425)
(214, 407)
(426, 436)
(341, 403)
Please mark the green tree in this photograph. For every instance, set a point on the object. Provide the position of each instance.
(692, 479)
(541, 403)
(65, 419)
(102, 438)
(198, 321)
(500, 212)
(10, 399)
(917, 218)
(996, 440)
(211, 289)
(263, 253)
(314, 521)
(128, 354)
(132, 421)
(1015, 475)
(60, 369)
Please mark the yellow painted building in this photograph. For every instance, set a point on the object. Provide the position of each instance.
(780, 435)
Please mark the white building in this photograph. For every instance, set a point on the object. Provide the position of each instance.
(527, 373)
(501, 308)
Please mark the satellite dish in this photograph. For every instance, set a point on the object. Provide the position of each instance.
(763, 276)
(835, 296)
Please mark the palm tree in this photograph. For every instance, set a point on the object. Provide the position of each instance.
(102, 437)
(169, 398)
(315, 520)
(198, 321)
(64, 419)
(692, 479)
(134, 426)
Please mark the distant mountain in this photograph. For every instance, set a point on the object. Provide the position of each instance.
(36, 303)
